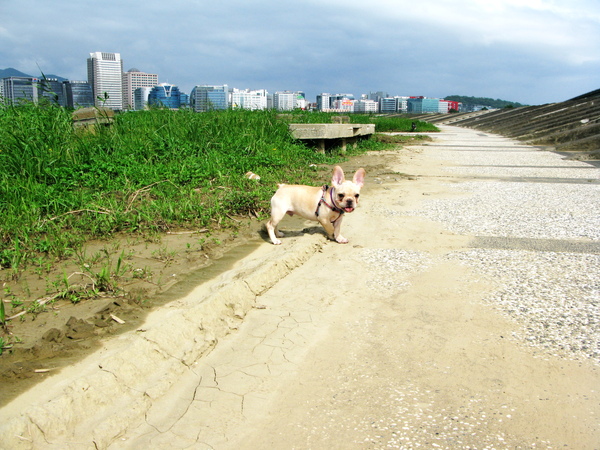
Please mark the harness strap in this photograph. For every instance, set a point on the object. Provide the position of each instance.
(332, 206)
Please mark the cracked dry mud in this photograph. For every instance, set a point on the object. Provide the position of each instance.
(390, 341)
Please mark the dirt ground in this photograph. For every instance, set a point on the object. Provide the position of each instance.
(62, 331)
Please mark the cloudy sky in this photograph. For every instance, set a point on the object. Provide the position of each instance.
(528, 51)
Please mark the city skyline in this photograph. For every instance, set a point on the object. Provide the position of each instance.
(527, 51)
(107, 83)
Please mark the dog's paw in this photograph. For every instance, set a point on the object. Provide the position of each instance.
(279, 234)
(276, 242)
(341, 240)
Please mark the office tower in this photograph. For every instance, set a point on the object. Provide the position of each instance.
(140, 98)
(323, 102)
(133, 79)
(206, 98)
(377, 95)
(249, 99)
(105, 75)
(164, 95)
(288, 100)
(184, 100)
(365, 105)
(422, 105)
(20, 89)
(78, 94)
(52, 89)
(388, 105)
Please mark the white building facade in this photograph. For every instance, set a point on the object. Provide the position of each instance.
(288, 100)
(366, 106)
(105, 75)
(249, 99)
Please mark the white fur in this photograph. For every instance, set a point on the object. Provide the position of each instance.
(304, 201)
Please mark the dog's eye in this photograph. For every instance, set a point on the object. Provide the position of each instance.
(341, 196)
(356, 196)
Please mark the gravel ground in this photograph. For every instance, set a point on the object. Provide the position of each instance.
(554, 296)
(519, 209)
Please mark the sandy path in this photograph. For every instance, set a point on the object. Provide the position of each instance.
(351, 352)
(394, 340)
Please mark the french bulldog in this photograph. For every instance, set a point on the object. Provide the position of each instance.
(326, 205)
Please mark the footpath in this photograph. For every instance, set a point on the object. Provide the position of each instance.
(463, 314)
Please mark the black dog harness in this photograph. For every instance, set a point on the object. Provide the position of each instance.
(332, 206)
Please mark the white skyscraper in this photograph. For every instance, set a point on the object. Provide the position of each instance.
(105, 74)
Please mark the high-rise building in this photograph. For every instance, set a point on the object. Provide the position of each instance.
(206, 98)
(377, 95)
(17, 89)
(78, 94)
(105, 74)
(365, 105)
(402, 104)
(248, 99)
(288, 100)
(133, 79)
(52, 89)
(323, 101)
(342, 104)
(422, 105)
(388, 105)
(165, 95)
(140, 98)
(184, 100)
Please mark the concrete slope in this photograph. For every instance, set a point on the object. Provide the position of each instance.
(573, 125)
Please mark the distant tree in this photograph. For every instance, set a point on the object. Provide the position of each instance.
(482, 101)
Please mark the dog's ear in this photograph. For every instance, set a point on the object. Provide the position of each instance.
(338, 176)
(359, 177)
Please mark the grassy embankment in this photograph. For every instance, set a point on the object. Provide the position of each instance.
(151, 171)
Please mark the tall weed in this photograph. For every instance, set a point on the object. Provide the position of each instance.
(148, 172)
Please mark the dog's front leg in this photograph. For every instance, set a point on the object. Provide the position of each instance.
(329, 228)
(336, 231)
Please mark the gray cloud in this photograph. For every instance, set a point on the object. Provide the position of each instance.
(522, 50)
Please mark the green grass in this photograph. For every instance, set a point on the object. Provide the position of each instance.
(149, 172)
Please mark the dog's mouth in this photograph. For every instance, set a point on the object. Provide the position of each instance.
(348, 209)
